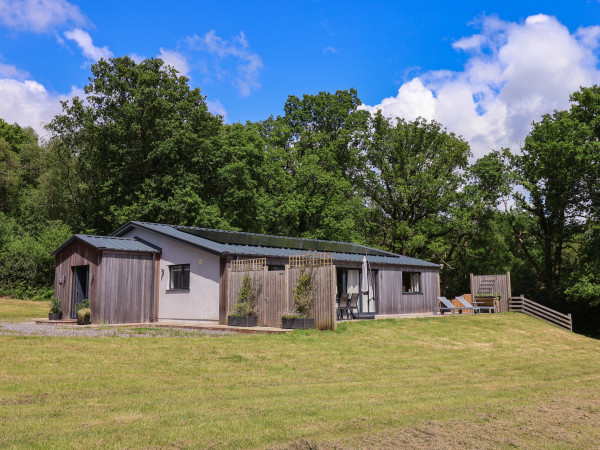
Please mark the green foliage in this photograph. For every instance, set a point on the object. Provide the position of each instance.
(26, 266)
(141, 145)
(84, 316)
(247, 297)
(412, 182)
(303, 293)
(84, 304)
(55, 305)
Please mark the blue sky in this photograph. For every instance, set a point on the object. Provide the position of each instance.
(483, 69)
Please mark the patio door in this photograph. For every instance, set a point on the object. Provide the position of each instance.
(80, 287)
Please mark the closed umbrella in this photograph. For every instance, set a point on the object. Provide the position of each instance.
(365, 276)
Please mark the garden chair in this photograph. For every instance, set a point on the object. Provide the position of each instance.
(342, 303)
(353, 304)
(447, 307)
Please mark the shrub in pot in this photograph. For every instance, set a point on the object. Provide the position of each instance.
(300, 318)
(244, 313)
(84, 313)
(55, 312)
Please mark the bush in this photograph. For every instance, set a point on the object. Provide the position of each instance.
(303, 294)
(246, 304)
(84, 316)
(84, 304)
(26, 266)
(55, 305)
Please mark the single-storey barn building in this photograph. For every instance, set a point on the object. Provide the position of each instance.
(148, 272)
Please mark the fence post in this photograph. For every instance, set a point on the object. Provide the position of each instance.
(570, 323)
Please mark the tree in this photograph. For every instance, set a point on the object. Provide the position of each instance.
(141, 145)
(311, 162)
(558, 175)
(413, 174)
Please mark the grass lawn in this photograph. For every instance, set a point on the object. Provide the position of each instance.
(22, 310)
(495, 380)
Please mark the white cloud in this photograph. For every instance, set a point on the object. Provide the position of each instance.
(515, 72)
(85, 43)
(216, 107)
(329, 49)
(8, 71)
(232, 60)
(39, 15)
(29, 104)
(175, 59)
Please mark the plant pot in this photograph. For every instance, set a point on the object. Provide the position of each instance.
(242, 321)
(55, 316)
(298, 323)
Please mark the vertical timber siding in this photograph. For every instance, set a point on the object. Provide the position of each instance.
(120, 284)
(393, 301)
(501, 285)
(276, 294)
(125, 288)
(78, 254)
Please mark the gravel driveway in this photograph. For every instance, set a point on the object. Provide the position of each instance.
(33, 329)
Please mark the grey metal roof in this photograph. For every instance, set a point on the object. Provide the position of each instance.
(110, 243)
(189, 235)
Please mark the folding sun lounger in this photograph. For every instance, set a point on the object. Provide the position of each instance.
(449, 307)
(476, 308)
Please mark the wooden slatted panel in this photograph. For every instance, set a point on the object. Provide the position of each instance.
(526, 306)
(125, 289)
(390, 290)
(77, 254)
(247, 265)
(273, 298)
(278, 288)
(499, 284)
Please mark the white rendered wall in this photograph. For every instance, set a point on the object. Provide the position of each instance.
(201, 301)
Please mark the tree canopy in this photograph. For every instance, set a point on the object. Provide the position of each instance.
(140, 144)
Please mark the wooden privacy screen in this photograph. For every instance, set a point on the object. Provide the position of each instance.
(244, 265)
(276, 294)
(497, 284)
(312, 259)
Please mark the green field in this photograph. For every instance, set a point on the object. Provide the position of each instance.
(487, 381)
(22, 310)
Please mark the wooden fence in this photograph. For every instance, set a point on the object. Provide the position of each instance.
(498, 284)
(276, 294)
(526, 306)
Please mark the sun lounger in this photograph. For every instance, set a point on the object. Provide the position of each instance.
(448, 307)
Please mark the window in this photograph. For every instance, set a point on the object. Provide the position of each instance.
(180, 276)
(411, 282)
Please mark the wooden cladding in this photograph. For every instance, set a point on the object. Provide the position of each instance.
(493, 284)
(276, 294)
(122, 285)
(312, 259)
(245, 265)
(392, 299)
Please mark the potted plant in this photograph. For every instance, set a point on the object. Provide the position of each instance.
(488, 299)
(300, 317)
(84, 313)
(55, 312)
(244, 313)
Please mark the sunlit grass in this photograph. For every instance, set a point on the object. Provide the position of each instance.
(12, 310)
(368, 378)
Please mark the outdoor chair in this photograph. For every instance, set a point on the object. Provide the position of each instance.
(342, 303)
(353, 304)
(447, 307)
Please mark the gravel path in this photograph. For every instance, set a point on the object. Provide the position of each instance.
(33, 329)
